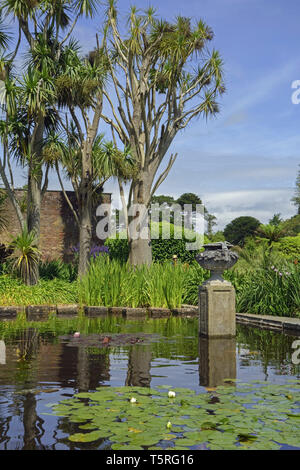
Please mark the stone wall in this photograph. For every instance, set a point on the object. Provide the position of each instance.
(59, 231)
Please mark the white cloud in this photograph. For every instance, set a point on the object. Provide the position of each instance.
(261, 204)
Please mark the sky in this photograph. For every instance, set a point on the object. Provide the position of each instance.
(245, 160)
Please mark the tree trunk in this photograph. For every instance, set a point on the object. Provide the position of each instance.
(34, 191)
(85, 234)
(140, 250)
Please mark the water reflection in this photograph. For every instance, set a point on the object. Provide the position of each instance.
(139, 365)
(217, 360)
(33, 424)
(37, 369)
(82, 367)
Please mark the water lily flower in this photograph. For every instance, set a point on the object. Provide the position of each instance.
(132, 400)
(76, 334)
(169, 425)
(171, 394)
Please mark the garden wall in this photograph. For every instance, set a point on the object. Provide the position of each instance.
(59, 232)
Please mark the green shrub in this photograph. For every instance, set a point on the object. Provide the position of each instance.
(162, 249)
(57, 269)
(289, 246)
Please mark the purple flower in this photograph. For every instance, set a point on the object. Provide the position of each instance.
(280, 274)
(97, 250)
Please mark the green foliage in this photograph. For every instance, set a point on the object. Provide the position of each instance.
(290, 247)
(217, 237)
(162, 249)
(240, 228)
(240, 416)
(296, 198)
(292, 225)
(276, 219)
(56, 291)
(25, 255)
(57, 269)
(271, 232)
(111, 283)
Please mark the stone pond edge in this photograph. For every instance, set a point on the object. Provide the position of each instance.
(289, 325)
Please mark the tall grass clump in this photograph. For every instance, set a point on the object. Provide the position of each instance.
(111, 283)
(271, 291)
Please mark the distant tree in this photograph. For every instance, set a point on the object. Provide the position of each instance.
(189, 198)
(296, 198)
(292, 226)
(276, 219)
(238, 229)
(211, 221)
(162, 199)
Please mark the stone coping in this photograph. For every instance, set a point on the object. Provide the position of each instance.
(290, 325)
(41, 312)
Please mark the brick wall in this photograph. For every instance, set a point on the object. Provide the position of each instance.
(59, 232)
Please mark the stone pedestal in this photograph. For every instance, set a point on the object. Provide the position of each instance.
(217, 309)
(217, 296)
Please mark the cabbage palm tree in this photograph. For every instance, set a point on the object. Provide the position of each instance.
(163, 77)
(46, 27)
(106, 162)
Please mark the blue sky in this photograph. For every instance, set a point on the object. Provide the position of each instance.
(244, 161)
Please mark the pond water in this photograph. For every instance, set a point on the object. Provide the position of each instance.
(42, 363)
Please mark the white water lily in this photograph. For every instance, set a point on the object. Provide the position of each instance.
(132, 400)
(171, 394)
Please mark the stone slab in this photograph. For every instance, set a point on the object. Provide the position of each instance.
(136, 313)
(159, 312)
(63, 310)
(94, 311)
(7, 313)
(39, 312)
(278, 323)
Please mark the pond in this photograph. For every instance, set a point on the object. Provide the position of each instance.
(43, 367)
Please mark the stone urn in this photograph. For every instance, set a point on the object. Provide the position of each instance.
(217, 257)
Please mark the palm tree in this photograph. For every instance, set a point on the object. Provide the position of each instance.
(163, 76)
(26, 256)
(106, 162)
(46, 28)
